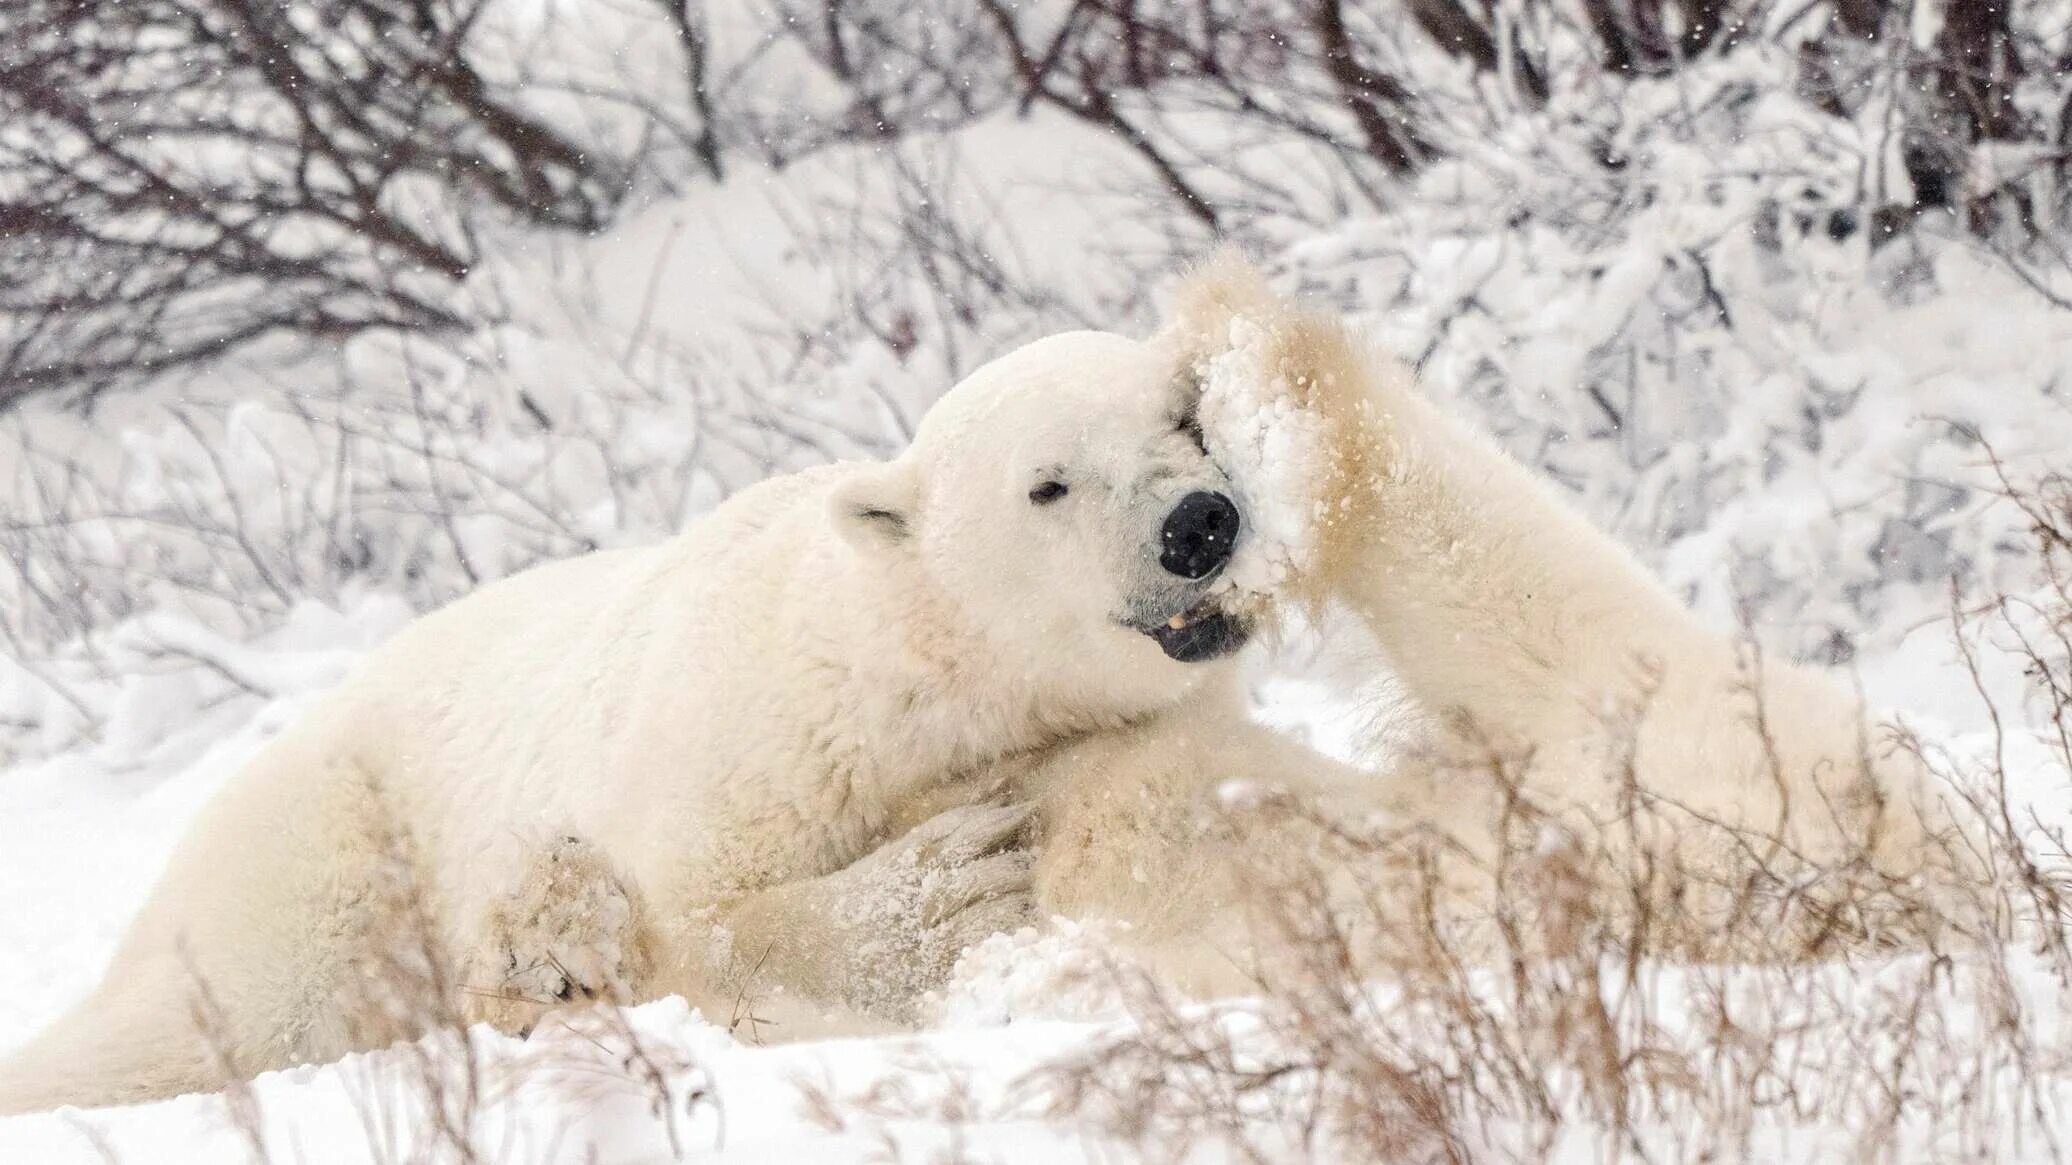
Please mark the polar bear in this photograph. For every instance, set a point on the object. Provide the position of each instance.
(1562, 688)
(679, 753)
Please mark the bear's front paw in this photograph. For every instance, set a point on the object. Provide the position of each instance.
(920, 902)
(965, 876)
(571, 933)
(1286, 411)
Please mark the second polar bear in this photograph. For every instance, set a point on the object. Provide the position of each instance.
(1565, 691)
(657, 769)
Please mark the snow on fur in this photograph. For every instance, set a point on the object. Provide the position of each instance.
(1275, 450)
(1783, 459)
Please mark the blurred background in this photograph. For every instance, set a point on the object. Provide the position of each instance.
(314, 313)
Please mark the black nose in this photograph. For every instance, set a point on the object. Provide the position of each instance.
(1199, 535)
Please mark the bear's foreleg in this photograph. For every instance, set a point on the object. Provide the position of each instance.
(874, 937)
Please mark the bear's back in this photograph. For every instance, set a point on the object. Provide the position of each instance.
(611, 682)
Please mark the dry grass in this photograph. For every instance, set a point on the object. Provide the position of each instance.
(1612, 999)
(1615, 997)
(1582, 1011)
(445, 1089)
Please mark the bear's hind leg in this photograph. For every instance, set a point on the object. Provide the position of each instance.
(137, 1038)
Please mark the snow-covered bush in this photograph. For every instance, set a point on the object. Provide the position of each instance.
(183, 177)
(1673, 303)
(1777, 292)
(1706, 295)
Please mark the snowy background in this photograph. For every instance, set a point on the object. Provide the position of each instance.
(318, 313)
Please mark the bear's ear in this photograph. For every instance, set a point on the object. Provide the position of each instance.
(874, 509)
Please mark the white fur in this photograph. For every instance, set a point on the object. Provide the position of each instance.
(728, 718)
(1518, 628)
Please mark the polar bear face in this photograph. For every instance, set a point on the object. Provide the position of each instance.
(1061, 498)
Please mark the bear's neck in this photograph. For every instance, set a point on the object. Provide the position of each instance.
(944, 706)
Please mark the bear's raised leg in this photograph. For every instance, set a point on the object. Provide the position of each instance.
(1530, 634)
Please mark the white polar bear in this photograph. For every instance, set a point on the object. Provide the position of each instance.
(1553, 670)
(672, 769)
(655, 767)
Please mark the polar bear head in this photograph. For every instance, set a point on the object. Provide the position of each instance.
(1061, 498)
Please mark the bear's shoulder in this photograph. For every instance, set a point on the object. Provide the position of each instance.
(801, 494)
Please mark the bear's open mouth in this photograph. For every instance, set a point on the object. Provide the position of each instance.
(1202, 632)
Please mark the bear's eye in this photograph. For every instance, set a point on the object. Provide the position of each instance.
(1048, 492)
(1189, 424)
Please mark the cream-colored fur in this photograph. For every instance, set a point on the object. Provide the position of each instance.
(1538, 648)
(1152, 825)
(725, 723)
(734, 724)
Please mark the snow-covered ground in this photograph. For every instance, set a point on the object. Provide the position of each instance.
(1772, 413)
(83, 834)
(85, 831)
